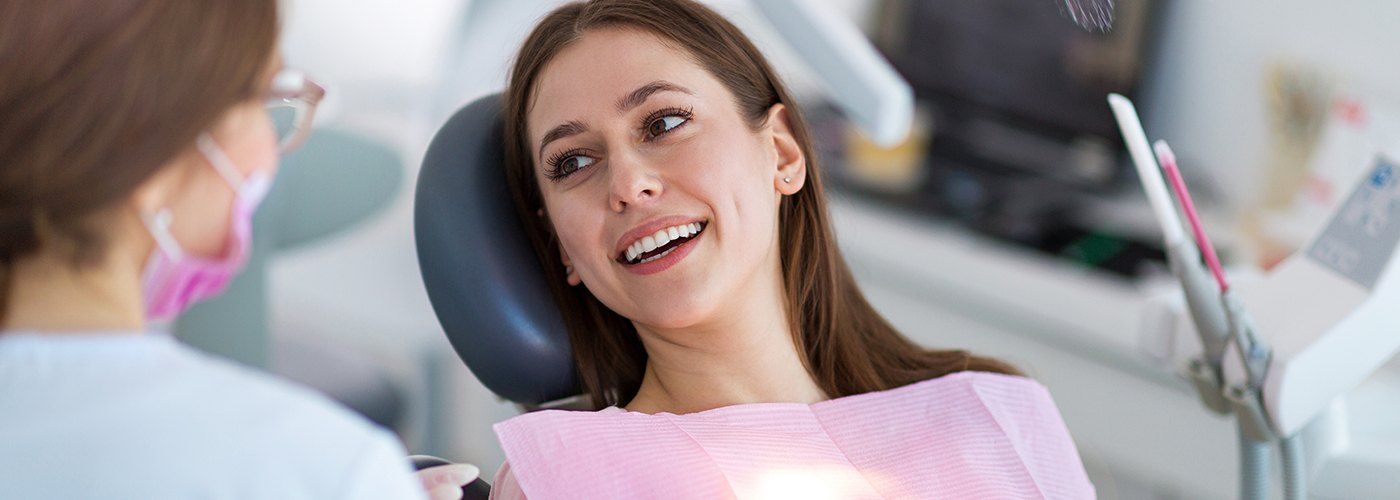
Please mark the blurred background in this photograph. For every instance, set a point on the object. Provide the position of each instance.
(1009, 223)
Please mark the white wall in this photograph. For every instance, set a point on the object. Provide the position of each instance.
(1206, 91)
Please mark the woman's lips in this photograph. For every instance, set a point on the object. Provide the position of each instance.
(652, 245)
(665, 259)
(653, 233)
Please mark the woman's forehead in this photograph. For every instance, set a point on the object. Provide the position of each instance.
(591, 75)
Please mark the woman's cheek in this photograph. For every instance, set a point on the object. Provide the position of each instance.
(574, 235)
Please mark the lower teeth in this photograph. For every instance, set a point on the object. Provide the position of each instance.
(657, 256)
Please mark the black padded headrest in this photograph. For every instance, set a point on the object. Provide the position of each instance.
(486, 286)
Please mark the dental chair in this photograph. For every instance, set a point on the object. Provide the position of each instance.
(486, 287)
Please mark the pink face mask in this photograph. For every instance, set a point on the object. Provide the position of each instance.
(174, 280)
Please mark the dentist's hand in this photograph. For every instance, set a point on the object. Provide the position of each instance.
(445, 482)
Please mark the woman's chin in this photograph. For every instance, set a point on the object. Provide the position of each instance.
(680, 313)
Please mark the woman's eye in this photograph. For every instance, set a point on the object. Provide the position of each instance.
(662, 125)
(574, 163)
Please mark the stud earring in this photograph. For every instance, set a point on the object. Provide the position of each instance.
(568, 270)
(787, 180)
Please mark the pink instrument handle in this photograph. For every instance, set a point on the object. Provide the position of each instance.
(1168, 161)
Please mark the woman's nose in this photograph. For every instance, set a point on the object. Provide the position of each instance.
(632, 182)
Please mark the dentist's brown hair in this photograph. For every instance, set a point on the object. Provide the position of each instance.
(97, 96)
(849, 348)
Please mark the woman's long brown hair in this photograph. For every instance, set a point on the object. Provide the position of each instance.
(97, 96)
(849, 348)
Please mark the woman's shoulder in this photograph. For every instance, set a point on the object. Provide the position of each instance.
(572, 422)
(1001, 401)
(974, 385)
(294, 427)
(1007, 397)
(988, 383)
(169, 403)
(1015, 394)
(985, 377)
(224, 398)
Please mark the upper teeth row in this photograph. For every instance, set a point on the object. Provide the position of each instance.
(661, 238)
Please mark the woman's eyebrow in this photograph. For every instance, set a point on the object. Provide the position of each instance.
(570, 128)
(637, 97)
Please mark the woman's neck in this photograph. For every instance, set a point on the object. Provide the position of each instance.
(747, 357)
(50, 295)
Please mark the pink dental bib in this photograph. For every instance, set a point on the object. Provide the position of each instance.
(965, 435)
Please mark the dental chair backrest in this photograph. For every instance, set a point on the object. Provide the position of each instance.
(486, 286)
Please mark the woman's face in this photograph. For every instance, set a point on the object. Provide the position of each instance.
(632, 140)
(202, 207)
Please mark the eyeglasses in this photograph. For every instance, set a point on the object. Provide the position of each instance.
(292, 104)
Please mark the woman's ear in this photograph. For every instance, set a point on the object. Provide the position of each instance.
(159, 191)
(570, 274)
(790, 172)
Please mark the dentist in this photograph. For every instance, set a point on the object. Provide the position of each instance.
(136, 141)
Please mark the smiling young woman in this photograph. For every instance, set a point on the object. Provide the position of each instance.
(668, 185)
(620, 114)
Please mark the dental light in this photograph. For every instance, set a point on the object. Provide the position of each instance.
(857, 79)
(1279, 352)
(862, 84)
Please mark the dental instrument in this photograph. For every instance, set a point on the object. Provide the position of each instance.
(1207, 312)
(1216, 312)
(1328, 311)
(1202, 298)
(1254, 448)
(1167, 159)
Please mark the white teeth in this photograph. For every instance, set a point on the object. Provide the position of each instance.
(660, 239)
(657, 256)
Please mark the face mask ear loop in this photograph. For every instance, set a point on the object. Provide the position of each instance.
(221, 162)
(158, 224)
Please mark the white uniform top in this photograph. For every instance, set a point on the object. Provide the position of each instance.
(138, 415)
